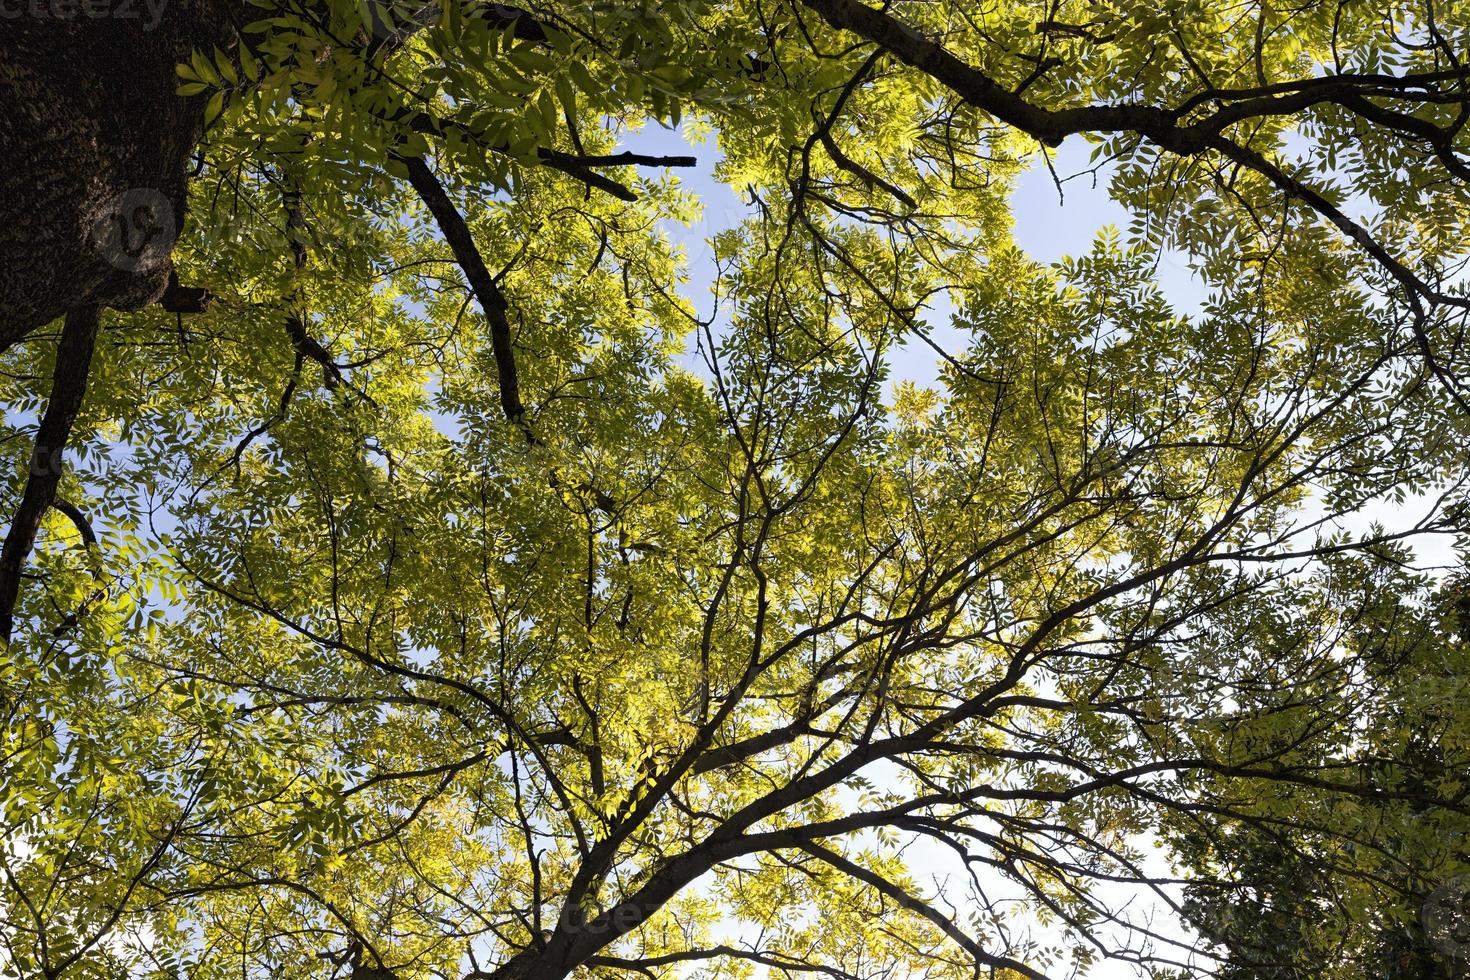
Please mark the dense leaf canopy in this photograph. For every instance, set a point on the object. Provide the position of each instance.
(465, 589)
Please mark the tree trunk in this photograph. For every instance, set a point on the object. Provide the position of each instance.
(95, 148)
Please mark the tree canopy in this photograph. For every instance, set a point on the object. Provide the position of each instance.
(414, 571)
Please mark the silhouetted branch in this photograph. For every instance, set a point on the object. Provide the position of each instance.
(68, 388)
(487, 292)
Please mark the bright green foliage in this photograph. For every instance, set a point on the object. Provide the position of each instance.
(708, 663)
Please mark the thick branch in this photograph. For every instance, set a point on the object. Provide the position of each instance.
(1049, 126)
(78, 519)
(570, 164)
(623, 159)
(308, 346)
(487, 292)
(68, 387)
(185, 299)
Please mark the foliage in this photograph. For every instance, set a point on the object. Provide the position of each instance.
(467, 603)
(1279, 899)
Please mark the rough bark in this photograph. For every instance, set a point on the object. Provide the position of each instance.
(95, 149)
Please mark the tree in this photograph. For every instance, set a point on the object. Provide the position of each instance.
(1296, 906)
(410, 606)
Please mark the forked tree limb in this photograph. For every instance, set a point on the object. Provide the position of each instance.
(1049, 126)
(1182, 129)
(68, 388)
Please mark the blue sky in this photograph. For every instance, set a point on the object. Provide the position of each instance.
(1049, 225)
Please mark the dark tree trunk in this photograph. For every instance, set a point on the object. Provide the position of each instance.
(95, 149)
